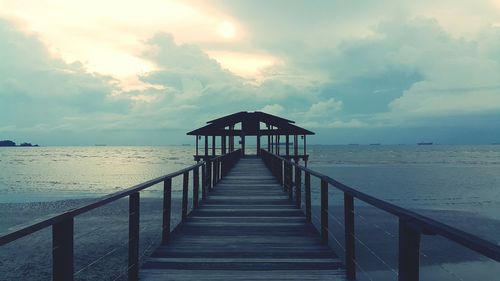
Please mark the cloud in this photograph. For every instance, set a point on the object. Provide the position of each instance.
(40, 91)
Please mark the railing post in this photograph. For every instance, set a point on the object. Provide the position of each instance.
(196, 187)
(185, 184)
(214, 173)
(285, 176)
(349, 237)
(324, 211)
(298, 186)
(209, 175)
(204, 182)
(167, 209)
(307, 185)
(62, 250)
(133, 236)
(409, 251)
(280, 171)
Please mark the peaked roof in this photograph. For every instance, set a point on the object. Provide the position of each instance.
(250, 125)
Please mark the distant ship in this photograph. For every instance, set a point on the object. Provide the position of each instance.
(425, 143)
(374, 143)
(100, 144)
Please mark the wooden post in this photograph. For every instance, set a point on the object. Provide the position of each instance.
(204, 182)
(242, 143)
(350, 256)
(209, 174)
(196, 187)
(196, 145)
(213, 146)
(258, 143)
(298, 175)
(409, 251)
(281, 175)
(206, 146)
(307, 183)
(278, 145)
(223, 143)
(185, 183)
(62, 250)
(287, 149)
(133, 236)
(305, 153)
(324, 211)
(268, 138)
(285, 176)
(295, 147)
(167, 209)
(215, 164)
(290, 181)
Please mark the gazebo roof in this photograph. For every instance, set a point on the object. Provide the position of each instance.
(250, 125)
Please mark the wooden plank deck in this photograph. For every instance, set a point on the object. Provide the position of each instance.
(247, 229)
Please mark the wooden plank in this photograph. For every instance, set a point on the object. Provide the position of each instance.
(246, 229)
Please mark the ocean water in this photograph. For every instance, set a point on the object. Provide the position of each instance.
(437, 180)
(437, 177)
(420, 177)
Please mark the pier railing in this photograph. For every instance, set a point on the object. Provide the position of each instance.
(63, 224)
(411, 225)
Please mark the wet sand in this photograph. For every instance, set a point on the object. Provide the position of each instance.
(101, 241)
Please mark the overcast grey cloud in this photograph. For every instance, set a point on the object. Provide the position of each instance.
(376, 71)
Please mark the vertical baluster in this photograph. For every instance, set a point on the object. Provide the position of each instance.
(185, 183)
(204, 182)
(409, 251)
(349, 237)
(133, 236)
(196, 187)
(62, 250)
(167, 209)
(307, 185)
(290, 181)
(214, 173)
(324, 211)
(209, 174)
(282, 174)
(298, 193)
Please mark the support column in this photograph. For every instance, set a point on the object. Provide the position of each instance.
(196, 145)
(258, 143)
(278, 145)
(206, 146)
(296, 148)
(268, 137)
(242, 143)
(287, 149)
(213, 145)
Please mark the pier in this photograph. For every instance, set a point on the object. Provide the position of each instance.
(252, 216)
(246, 229)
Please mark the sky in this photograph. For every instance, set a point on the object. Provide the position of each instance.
(146, 72)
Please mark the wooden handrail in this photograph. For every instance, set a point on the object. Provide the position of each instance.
(63, 223)
(412, 224)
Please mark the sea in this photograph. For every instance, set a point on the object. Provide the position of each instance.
(453, 177)
(436, 178)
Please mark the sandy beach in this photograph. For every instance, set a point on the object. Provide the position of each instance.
(101, 241)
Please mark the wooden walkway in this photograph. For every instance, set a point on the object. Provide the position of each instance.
(247, 229)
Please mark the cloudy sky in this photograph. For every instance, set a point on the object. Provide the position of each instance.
(146, 72)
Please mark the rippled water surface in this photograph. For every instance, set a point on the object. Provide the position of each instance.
(426, 177)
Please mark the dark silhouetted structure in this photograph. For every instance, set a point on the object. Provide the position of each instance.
(243, 124)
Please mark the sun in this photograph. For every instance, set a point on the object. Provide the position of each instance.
(227, 30)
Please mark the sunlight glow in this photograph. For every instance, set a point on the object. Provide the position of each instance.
(246, 65)
(227, 30)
